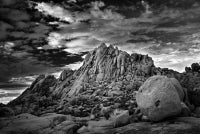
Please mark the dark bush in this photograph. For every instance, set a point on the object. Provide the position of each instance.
(195, 67)
(6, 111)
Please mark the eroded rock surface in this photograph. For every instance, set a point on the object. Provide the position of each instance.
(61, 124)
(160, 97)
(106, 64)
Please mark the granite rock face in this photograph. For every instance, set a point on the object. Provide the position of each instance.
(160, 97)
(106, 64)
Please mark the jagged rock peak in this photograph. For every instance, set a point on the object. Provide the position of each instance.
(109, 62)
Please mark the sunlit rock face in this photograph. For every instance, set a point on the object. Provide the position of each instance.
(160, 97)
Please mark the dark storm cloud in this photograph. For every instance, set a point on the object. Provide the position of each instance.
(24, 50)
(8, 2)
(32, 62)
(156, 28)
(56, 57)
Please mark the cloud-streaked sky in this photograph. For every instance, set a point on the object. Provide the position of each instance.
(171, 36)
(47, 36)
(24, 48)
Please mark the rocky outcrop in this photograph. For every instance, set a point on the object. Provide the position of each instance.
(190, 80)
(106, 64)
(37, 97)
(65, 74)
(107, 75)
(160, 97)
(42, 86)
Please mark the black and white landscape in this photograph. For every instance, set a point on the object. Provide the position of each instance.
(99, 66)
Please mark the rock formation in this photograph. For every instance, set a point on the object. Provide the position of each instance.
(106, 71)
(37, 96)
(105, 85)
(160, 97)
(106, 64)
(190, 80)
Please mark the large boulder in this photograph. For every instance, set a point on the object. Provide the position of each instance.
(160, 97)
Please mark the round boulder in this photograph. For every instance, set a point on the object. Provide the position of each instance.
(160, 97)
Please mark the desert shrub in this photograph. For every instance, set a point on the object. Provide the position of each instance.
(45, 101)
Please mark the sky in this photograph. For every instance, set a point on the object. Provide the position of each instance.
(39, 36)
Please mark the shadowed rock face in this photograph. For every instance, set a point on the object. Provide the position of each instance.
(42, 86)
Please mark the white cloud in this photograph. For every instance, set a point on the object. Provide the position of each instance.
(106, 14)
(74, 66)
(55, 11)
(10, 94)
(54, 40)
(6, 100)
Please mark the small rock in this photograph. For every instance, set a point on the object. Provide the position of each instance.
(121, 119)
(115, 93)
(92, 116)
(145, 118)
(83, 129)
(101, 124)
(185, 110)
